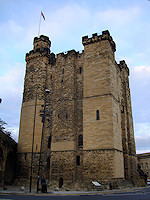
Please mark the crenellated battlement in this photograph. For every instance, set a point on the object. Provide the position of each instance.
(96, 38)
(68, 53)
(37, 53)
(41, 48)
(123, 65)
(41, 42)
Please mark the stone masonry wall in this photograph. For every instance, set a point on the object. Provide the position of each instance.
(80, 84)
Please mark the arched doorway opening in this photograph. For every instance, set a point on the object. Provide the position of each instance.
(60, 182)
(1, 165)
(1, 156)
(10, 169)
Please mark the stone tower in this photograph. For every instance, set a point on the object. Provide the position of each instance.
(101, 109)
(35, 83)
(88, 128)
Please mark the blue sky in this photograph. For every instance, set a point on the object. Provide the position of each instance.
(66, 22)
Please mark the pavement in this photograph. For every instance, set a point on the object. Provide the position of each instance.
(16, 191)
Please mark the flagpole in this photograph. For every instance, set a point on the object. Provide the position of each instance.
(39, 25)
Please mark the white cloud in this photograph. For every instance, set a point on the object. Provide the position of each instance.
(140, 80)
(11, 93)
(118, 17)
(11, 81)
(140, 93)
(142, 129)
(143, 151)
(142, 70)
(142, 137)
(10, 29)
(65, 26)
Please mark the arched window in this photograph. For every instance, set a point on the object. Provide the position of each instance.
(80, 141)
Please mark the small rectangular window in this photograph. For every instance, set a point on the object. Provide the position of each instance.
(80, 70)
(97, 115)
(66, 115)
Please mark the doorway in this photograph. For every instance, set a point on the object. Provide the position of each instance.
(60, 182)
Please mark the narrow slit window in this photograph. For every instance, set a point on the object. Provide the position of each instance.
(32, 79)
(97, 115)
(48, 163)
(66, 115)
(80, 141)
(49, 142)
(78, 160)
(80, 70)
(25, 156)
(122, 110)
(63, 71)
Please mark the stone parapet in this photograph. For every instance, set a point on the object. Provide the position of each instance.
(124, 66)
(96, 38)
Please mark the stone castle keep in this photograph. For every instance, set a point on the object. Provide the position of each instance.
(88, 127)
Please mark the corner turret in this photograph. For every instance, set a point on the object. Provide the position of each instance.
(96, 38)
(123, 65)
(41, 47)
(42, 42)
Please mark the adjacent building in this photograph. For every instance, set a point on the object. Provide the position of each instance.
(144, 161)
(8, 149)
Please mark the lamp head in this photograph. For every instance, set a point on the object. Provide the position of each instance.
(47, 91)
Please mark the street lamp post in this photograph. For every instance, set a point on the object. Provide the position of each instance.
(43, 121)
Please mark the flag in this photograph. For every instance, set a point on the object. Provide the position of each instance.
(43, 15)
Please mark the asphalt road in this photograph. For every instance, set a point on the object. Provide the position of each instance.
(140, 195)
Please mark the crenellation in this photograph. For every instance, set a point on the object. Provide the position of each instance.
(41, 42)
(96, 38)
(52, 59)
(123, 66)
